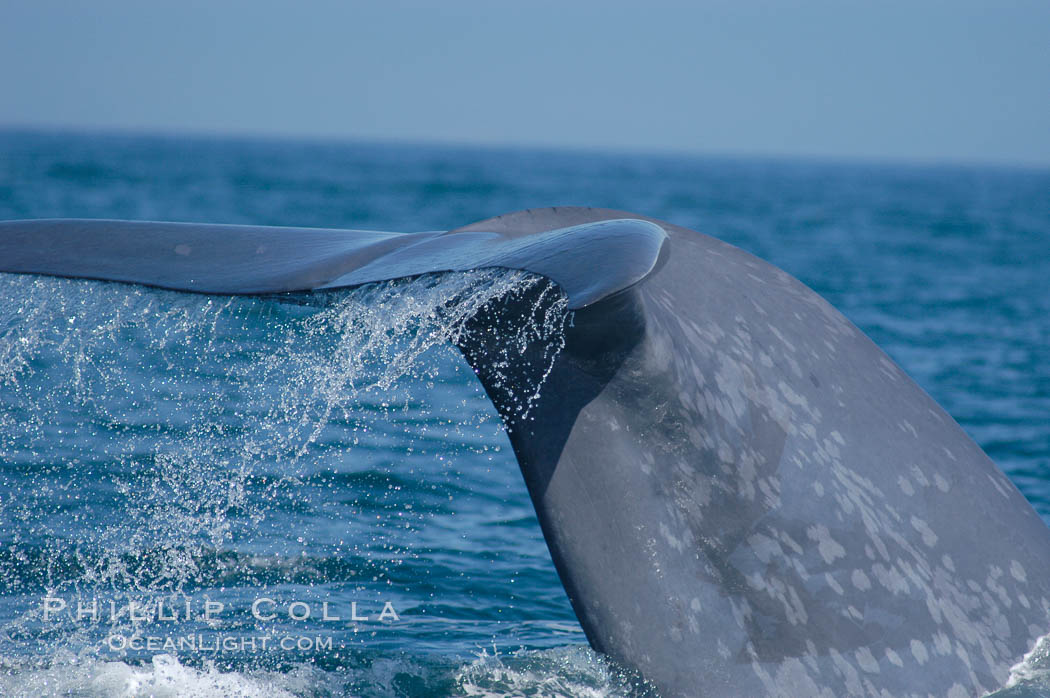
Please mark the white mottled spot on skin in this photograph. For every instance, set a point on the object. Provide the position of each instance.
(183, 250)
(848, 673)
(730, 379)
(835, 586)
(860, 580)
(928, 536)
(890, 578)
(942, 644)
(790, 542)
(889, 369)
(918, 650)
(894, 657)
(796, 612)
(695, 604)
(791, 396)
(962, 654)
(919, 476)
(993, 585)
(789, 345)
(832, 449)
(810, 657)
(941, 482)
(1017, 572)
(261, 249)
(999, 486)
(673, 541)
(764, 547)
(958, 691)
(794, 674)
(905, 485)
(829, 548)
(818, 488)
(771, 495)
(866, 661)
(742, 613)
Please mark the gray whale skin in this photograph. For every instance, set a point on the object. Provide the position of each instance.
(741, 493)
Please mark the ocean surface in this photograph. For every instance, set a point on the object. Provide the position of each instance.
(193, 488)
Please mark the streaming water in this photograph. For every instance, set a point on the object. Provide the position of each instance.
(206, 484)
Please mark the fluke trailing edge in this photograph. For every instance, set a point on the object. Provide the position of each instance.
(741, 493)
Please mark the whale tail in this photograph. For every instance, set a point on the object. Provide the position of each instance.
(741, 493)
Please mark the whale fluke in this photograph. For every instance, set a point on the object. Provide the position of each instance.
(245, 259)
(741, 493)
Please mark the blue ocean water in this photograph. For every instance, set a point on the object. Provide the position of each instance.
(158, 447)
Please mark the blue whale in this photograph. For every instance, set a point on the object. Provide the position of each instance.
(742, 494)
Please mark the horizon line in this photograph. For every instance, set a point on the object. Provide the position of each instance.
(627, 150)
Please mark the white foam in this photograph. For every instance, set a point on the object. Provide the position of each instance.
(163, 678)
(1033, 671)
(565, 671)
(574, 671)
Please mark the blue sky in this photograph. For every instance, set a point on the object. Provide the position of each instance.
(916, 80)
